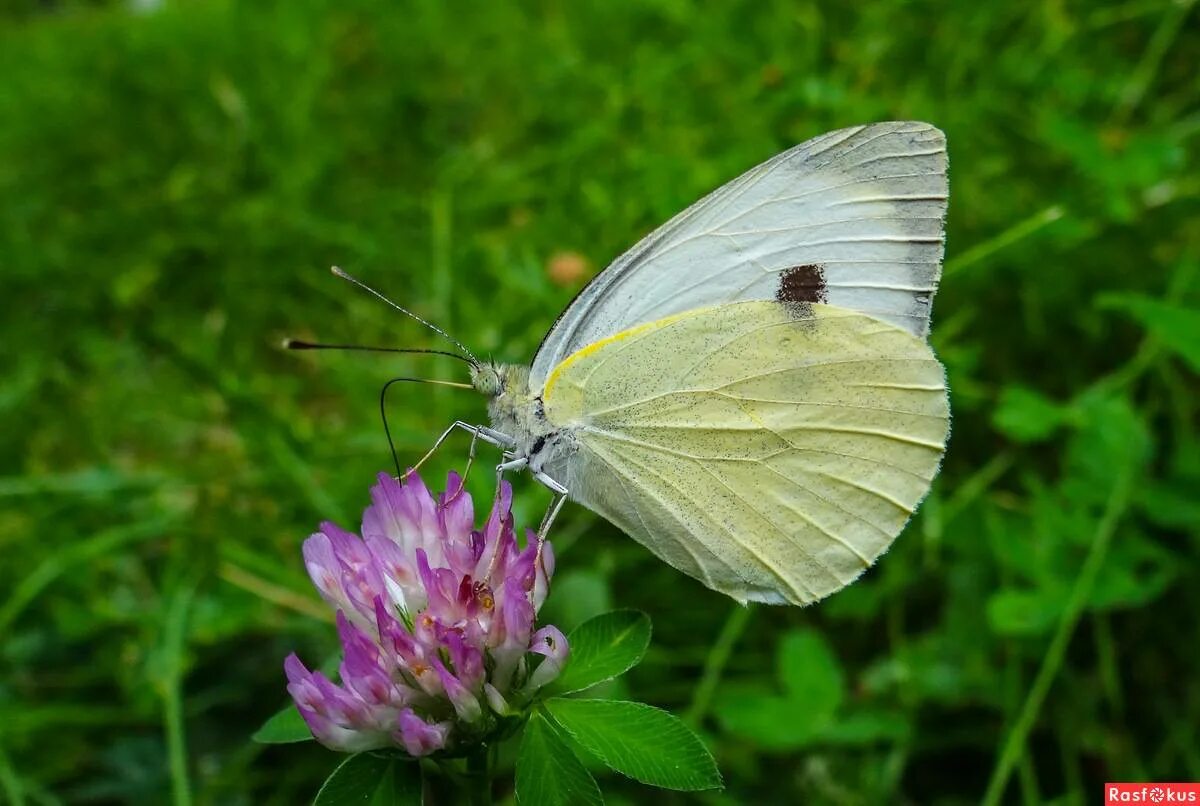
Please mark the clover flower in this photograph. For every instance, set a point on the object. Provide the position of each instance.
(436, 621)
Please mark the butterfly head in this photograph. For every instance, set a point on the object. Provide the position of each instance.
(513, 410)
(497, 380)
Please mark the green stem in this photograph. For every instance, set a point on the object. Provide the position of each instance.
(1017, 232)
(174, 647)
(479, 778)
(714, 664)
(1143, 76)
(10, 784)
(1014, 745)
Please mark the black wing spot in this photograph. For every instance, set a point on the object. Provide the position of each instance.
(801, 284)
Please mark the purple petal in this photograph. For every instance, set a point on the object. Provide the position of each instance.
(552, 644)
(405, 514)
(324, 570)
(311, 703)
(439, 598)
(517, 614)
(460, 556)
(543, 573)
(300, 678)
(509, 637)
(467, 659)
(419, 668)
(412, 651)
(345, 740)
(521, 567)
(444, 591)
(350, 551)
(339, 704)
(465, 703)
(456, 511)
(385, 517)
(418, 736)
(399, 573)
(344, 571)
(363, 588)
(497, 528)
(314, 691)
(392, 634)
(363, 671)
(335, 718)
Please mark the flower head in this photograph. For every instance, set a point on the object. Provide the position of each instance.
(436, 621)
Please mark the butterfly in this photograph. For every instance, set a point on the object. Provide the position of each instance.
(748, 392)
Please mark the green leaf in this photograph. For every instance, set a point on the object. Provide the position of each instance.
(1173, 505)
(868, 727)
(548, 772)
(1175, 326)
(1111, 436)
(1136, 571)
(813, 690)
(1025, 612)
(769, 720)
(638, 740)
(1024, 415)
(603, 648)
(809, 671)
(372, 779)
(286, 727)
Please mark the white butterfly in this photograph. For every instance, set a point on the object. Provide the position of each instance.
(748, 391)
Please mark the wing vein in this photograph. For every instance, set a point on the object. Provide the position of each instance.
(617, 437)
(806, 595)
(621, 478)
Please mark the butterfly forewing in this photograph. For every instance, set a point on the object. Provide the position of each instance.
(853, 218)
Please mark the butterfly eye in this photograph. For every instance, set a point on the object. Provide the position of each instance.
(488, 379)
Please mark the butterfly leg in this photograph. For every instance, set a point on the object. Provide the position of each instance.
(462, 482)
(560, 492)
(507, 465)
(502, 468)
(477, 432)
(560, 498)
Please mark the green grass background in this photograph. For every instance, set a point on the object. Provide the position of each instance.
(175, 182)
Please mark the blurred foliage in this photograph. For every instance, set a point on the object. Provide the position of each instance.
(174, 181)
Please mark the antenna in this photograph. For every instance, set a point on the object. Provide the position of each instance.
(473, 360)
(297, 344)
(383, 411)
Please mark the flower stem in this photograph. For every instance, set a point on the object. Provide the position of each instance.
(479, 778)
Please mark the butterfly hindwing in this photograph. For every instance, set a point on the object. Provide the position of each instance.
(774, 455)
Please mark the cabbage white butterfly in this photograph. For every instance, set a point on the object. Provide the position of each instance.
(748, 391)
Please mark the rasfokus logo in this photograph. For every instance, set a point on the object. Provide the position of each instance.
(1151, 793)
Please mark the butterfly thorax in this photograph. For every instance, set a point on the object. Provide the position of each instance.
(518, 412)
